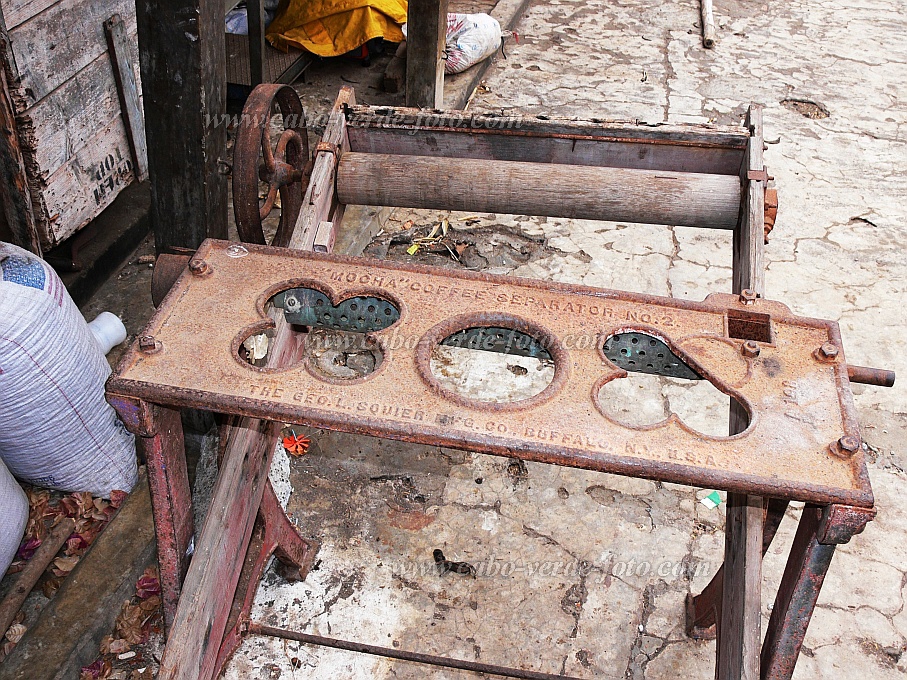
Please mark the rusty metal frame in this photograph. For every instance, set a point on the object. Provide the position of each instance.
(797, 437)
(838, 506)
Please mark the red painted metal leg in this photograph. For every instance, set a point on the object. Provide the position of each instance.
(274, 534)
(171, 500)
(702, 609)
(814, 545)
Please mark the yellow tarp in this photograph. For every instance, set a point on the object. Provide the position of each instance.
(330, 28)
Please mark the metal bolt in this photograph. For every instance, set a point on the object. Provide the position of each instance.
(148, 344)
(291, 302)
(748, 296)
(828, 350)
(849, 443)
(751, 349)
(198, 267)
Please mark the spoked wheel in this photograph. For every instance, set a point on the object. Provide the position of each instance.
(284, 168)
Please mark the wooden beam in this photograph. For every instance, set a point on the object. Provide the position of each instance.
(739, 615)
(18, 216)
(128, 91)
(255, 11)
(425, 40)
(553, 190)
(641, 154)
(182, 55)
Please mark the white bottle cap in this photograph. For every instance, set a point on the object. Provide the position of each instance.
(108, 331)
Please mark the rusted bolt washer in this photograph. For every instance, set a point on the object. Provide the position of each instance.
(846, 446)
(751, 349)
(828, 351)
(148, 344)
(849, 442)
(748, 296)
(199, 267)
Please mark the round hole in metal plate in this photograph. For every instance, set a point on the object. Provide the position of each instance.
(492, 364)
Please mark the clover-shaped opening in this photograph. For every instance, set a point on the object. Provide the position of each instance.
(660, 382)
(337, 338)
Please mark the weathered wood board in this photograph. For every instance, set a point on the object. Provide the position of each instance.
(61, 82)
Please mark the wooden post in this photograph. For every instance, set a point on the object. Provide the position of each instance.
(183, 64)
(426, 35)
(255, 10)
(738, 626)
(738, 616)
(17, 218)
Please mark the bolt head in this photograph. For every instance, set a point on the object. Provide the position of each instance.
(291, 302)
(198, 267)
(748, 296)
(849, 443)
(828, 350)
(148, 344)
(751, 349)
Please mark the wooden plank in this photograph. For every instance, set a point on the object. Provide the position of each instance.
(130, 101)
(15, 197)
(255, 11)
(90, 181)
(64, 638)
(204, 607)
(749, 248)
(581, 192)
(61, 124)
(695, 134)
(18, 11)
(54, 45)
(320, 200)
(182, 54)
(426, 36)
(640, 155)
(739, 617)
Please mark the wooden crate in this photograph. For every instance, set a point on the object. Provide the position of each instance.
(60, 89)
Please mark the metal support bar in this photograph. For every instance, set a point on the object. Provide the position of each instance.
(403, 655)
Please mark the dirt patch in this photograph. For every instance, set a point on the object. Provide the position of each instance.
(471, 247)
(806, 108)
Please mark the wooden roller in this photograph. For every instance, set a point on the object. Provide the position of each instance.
(547, 189)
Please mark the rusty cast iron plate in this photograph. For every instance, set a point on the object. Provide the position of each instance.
(799, 401)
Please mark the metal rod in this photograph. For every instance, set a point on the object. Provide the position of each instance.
(708, 24)
(403, 655)
(870, 376)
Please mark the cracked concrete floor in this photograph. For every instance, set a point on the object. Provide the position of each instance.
(586, 573)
